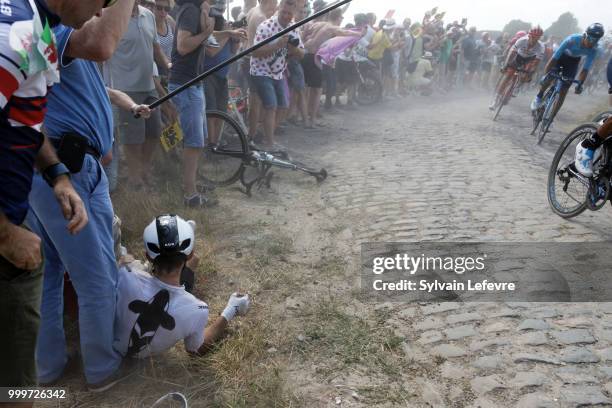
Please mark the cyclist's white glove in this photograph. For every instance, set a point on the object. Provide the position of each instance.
(238, 305)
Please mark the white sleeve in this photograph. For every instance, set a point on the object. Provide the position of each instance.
(195, 339)
(11, 74)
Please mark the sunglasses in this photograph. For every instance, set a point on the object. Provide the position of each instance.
(108, 3)
(163, 8)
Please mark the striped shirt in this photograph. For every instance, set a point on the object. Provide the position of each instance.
(23, 105)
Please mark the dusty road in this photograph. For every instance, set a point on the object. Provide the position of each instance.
(440, 170)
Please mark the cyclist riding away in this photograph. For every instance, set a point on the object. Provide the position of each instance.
(586, 150)
(566, 60)
(525, 54)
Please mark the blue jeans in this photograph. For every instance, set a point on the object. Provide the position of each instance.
(191, 107)
(90, 260)
(271, 92)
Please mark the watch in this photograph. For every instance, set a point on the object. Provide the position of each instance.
(54, 171)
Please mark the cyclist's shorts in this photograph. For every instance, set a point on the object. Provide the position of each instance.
(567, 66)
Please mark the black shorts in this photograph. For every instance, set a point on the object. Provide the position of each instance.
(520, 62)
(472, 66)
(312, 73)
(346, 72)
(216, 92)
(567, 66)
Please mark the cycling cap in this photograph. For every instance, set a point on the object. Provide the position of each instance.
(536, 32)
(595, 31)
(169, 235)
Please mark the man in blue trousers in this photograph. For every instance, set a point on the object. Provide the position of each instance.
(79, 125)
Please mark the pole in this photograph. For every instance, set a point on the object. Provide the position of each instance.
(247, 52)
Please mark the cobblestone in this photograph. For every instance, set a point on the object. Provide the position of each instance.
(579, 355)
(483, 385)
(528, 379)
(460, 332)
(584, 395)
(575, 336)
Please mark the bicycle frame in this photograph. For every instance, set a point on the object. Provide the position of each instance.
(545, 115)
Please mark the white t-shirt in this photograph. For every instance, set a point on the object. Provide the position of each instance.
(521, 47)
(274, 65)
(153, 316)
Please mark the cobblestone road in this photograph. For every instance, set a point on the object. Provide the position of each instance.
(442, 170)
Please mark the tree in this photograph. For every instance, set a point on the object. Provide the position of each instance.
(516, 25)
(565, 25)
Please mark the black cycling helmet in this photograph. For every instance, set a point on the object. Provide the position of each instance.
(596, 31)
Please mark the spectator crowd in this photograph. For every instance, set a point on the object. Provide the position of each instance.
(77, 80)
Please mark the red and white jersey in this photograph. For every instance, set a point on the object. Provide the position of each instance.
(522, 48)
(22, 95)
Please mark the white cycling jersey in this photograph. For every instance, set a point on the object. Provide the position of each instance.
(521, 47)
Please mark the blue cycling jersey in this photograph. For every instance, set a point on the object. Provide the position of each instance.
(572, 46)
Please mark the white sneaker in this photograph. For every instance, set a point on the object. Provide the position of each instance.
(536, 103)
(584, 160)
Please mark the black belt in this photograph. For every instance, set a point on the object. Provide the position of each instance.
(88, 150)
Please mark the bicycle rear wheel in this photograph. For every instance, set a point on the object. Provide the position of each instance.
(222, 166)
(567, 191)
(548, 116)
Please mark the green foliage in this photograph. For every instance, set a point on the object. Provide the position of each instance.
(516, 25)
(565, 25)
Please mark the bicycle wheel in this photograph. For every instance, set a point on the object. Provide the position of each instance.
(370, 90)
(223, 166)
(548, 116)
(506, 97)
(567, 192)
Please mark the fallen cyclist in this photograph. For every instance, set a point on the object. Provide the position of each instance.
(155, 311)
(585, 151)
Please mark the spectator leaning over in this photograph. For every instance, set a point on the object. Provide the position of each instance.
(155, 311)
(346, 64)
(193, 27)
(22, 147)
(216, 88)
(269, 64)
(255, 17)
(319, 33)
(132, 70)
(80, 115)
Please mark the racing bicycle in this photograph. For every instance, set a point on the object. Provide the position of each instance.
(511, 90)
(569, 192)
(544, 116)
(233, 158)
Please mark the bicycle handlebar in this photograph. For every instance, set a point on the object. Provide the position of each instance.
(564, 79)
